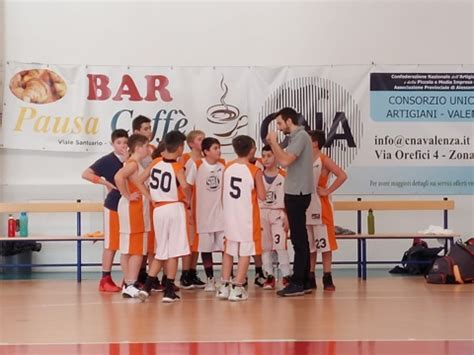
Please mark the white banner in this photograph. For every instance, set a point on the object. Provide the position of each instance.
(395, 129)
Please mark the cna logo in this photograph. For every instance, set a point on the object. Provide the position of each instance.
(323, 104)
(38, 86)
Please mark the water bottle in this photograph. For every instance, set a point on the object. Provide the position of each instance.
(370, 222)
(23, 224)
(11, 226)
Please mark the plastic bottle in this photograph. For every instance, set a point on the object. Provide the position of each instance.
(11, 226)
(23, 224)
(370, 222)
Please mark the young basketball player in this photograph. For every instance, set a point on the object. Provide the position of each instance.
(170, 194)
(242, 188)
(320, 214)
(208, 206)
(102, 172)
(260, 278)
(273, 219)
(133, 210)
(142, 125)
(189, 278)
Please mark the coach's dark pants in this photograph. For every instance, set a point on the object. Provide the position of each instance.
(296, 206)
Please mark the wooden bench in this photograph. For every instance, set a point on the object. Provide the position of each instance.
(351, 206)
(56, 207)
(392, 205)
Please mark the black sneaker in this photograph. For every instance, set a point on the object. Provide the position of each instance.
(196, 281)
(156, 286)
(185, 281)
(291, 290)
(327, 282)
(260, 281)
(170, 296)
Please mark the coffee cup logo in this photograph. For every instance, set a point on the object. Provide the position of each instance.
(226, 118)
(38, 86)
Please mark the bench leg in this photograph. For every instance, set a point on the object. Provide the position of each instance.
(79, 261)
(359, 259)
(364, 259)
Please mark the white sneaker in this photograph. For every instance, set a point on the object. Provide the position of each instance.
(210, 285)
(238, 293)
(132, 292)
(223, 291)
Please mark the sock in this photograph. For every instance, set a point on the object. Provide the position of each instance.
(163, 279)
(129, 282)
(106, 273)
(259, 271)
(184, 274)
(209, 272)
(284, 262)
(207, 262)
(267, 262)
(326, 274)
(192, 273)
(142, 275)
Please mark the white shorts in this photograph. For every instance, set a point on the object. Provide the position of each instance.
(318, 238)
(171, 235)
(237, 249)
(210, 242)
(273, 232)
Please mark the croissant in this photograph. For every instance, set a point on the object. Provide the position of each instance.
(38, 86)
(37, 91)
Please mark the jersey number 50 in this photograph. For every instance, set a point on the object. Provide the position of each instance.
(160, 180)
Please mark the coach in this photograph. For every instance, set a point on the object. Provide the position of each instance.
(299, 185)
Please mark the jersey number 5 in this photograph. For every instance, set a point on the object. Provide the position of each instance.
(164, 183)
(236, 192)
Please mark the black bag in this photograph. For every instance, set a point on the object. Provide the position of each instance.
(417, 260)
(456, 267)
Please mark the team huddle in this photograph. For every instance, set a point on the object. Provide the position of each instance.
(164, 205)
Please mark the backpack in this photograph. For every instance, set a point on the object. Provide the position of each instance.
(418, 259)
(456, 267)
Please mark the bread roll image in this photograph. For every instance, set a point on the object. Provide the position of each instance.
(38, 86)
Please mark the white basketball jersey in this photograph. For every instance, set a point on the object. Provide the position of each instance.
(163, 183)
(189, 168)
(274, 192)
(241, 211)
(313, 213)
(208, 197)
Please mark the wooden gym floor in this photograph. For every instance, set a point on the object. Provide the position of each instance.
(383, 315)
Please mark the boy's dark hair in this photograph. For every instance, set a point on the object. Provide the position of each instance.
(158, 150)
(242, 145)
(318, 136)
(208, 142)
(267, 148)
(136, 140)
(138, 121)
(118, 133)
(173, 140)
(288, 113)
